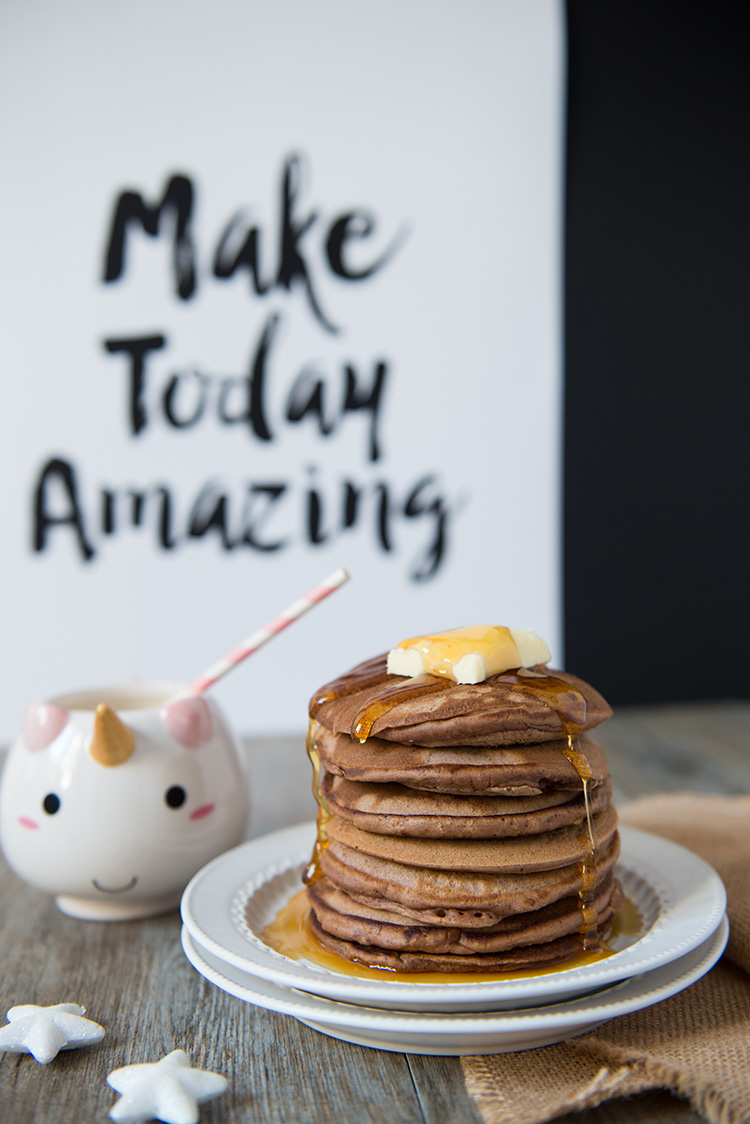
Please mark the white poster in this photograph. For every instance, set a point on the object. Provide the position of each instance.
(281, 292)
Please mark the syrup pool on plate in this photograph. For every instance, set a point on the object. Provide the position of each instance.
(290, 935)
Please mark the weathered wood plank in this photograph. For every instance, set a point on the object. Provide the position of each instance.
(302, 1077)
(699, 747)
(134, 979)
(441, 1090)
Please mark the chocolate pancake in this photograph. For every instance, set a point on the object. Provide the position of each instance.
(514, 959)
(512, 855)
(393, 809)
(446, 915)
(415, 887)
(341, 916)
(531, 768)
(506, 709)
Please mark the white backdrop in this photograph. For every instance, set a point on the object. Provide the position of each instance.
(375, 222)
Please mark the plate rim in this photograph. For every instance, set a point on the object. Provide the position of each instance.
(214, 888)
(624, 998)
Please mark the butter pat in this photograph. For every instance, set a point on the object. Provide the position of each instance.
(468, 655)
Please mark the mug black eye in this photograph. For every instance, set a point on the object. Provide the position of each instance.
(51, 803)
(175, 796)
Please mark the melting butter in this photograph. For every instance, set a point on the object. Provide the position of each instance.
(468, 655)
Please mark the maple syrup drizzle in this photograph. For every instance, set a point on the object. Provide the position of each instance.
(313, 870)
(368, 675)
(570, 707)
(385, 700)
(587, 865)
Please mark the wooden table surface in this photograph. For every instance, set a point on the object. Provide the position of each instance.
(134, 979)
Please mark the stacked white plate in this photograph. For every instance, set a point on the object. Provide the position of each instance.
(680, 899)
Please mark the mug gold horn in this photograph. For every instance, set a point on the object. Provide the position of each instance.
(113, 741)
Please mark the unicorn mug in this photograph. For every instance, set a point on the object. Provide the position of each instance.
(112, 799)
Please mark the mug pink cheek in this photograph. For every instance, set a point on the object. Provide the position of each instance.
(26, 822)
(204, 810)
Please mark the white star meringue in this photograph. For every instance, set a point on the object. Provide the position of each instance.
(44, 1031)
(169, 1090)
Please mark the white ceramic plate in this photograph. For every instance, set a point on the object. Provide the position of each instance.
(469, 1033)
(228, 903)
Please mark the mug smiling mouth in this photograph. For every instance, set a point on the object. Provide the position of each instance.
(115, 889)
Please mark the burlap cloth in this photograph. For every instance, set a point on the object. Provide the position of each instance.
(696, 1044)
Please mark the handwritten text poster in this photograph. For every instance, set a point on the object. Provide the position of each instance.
(281, 293)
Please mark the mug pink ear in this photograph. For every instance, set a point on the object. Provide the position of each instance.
(189, 721)
(42, 724)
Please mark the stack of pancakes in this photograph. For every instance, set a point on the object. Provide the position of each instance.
(462, 828)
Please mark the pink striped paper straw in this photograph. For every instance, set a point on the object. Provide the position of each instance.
(263, 635)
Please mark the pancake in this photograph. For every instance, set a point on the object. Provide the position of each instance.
(341, 916)
(427, 888)
(512, 770)
(444, 915)
(393, 809)
(499, 711)
(514, 855)
(514, 959)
